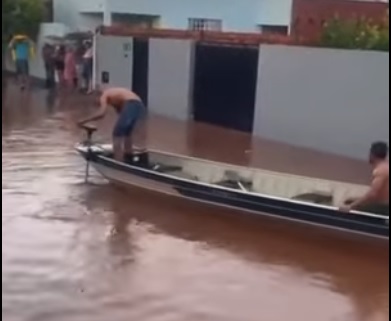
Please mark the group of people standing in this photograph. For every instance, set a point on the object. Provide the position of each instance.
(71, 64)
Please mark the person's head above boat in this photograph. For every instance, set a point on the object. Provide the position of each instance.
(378, 153)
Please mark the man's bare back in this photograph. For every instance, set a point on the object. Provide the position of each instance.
(382, 173)
(377, 199)
(116, 97)
(131, 111)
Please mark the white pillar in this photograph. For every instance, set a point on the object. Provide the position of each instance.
(94, 61)
(107, 17)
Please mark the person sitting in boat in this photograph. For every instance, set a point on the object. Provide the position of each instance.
(131, 112)
(376, 200)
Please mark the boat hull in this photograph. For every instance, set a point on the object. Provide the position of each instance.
(331, 218)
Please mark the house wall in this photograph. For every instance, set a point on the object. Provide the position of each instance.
(277, 12)
(330, 100)
(244, 15)
(335, 101)
(170, 77)
(114, 56)
(170, 72)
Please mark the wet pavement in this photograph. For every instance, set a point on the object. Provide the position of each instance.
(94, 253)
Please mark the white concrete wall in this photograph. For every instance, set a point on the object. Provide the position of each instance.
(331, 100)
(115, 56)
(170, 75)
(88, 6)
(275, 12)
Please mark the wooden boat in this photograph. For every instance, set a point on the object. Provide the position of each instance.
(296, 198)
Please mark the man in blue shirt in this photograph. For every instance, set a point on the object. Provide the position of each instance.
(22, 50)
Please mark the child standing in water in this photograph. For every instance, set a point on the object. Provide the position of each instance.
(70, 72)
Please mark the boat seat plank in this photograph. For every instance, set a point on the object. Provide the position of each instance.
(174, 170)
(162, 168)
(185, 175)
(206, 173)
(236, 184)
(315, 197)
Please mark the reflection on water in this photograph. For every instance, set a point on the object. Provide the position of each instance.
(90, 252)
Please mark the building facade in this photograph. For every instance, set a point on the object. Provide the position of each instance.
(240, 16)
(331, 100)
(298, 17)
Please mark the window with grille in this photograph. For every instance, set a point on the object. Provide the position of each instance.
(274, 29)
(199, 24)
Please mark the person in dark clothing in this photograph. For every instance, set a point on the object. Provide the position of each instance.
(59, 63)
(49, 63)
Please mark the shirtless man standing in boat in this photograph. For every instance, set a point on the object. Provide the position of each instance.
(377, 199)
(130, 110)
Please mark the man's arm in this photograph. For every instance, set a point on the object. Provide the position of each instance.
(99, 114)
(378, 182)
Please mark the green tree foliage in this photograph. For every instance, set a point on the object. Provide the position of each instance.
(356, 34)
(22, 16)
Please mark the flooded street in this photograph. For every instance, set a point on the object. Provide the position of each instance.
(77, 252)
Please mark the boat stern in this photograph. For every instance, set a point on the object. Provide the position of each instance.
(86, 150)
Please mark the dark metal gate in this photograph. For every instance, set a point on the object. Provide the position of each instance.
(224, 85)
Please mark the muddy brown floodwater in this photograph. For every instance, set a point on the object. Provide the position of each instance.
(76, 252)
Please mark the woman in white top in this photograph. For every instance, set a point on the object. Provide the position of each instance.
(88, 67)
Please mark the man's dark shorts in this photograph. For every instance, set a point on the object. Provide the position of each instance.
(133, 111)
(22, 67)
